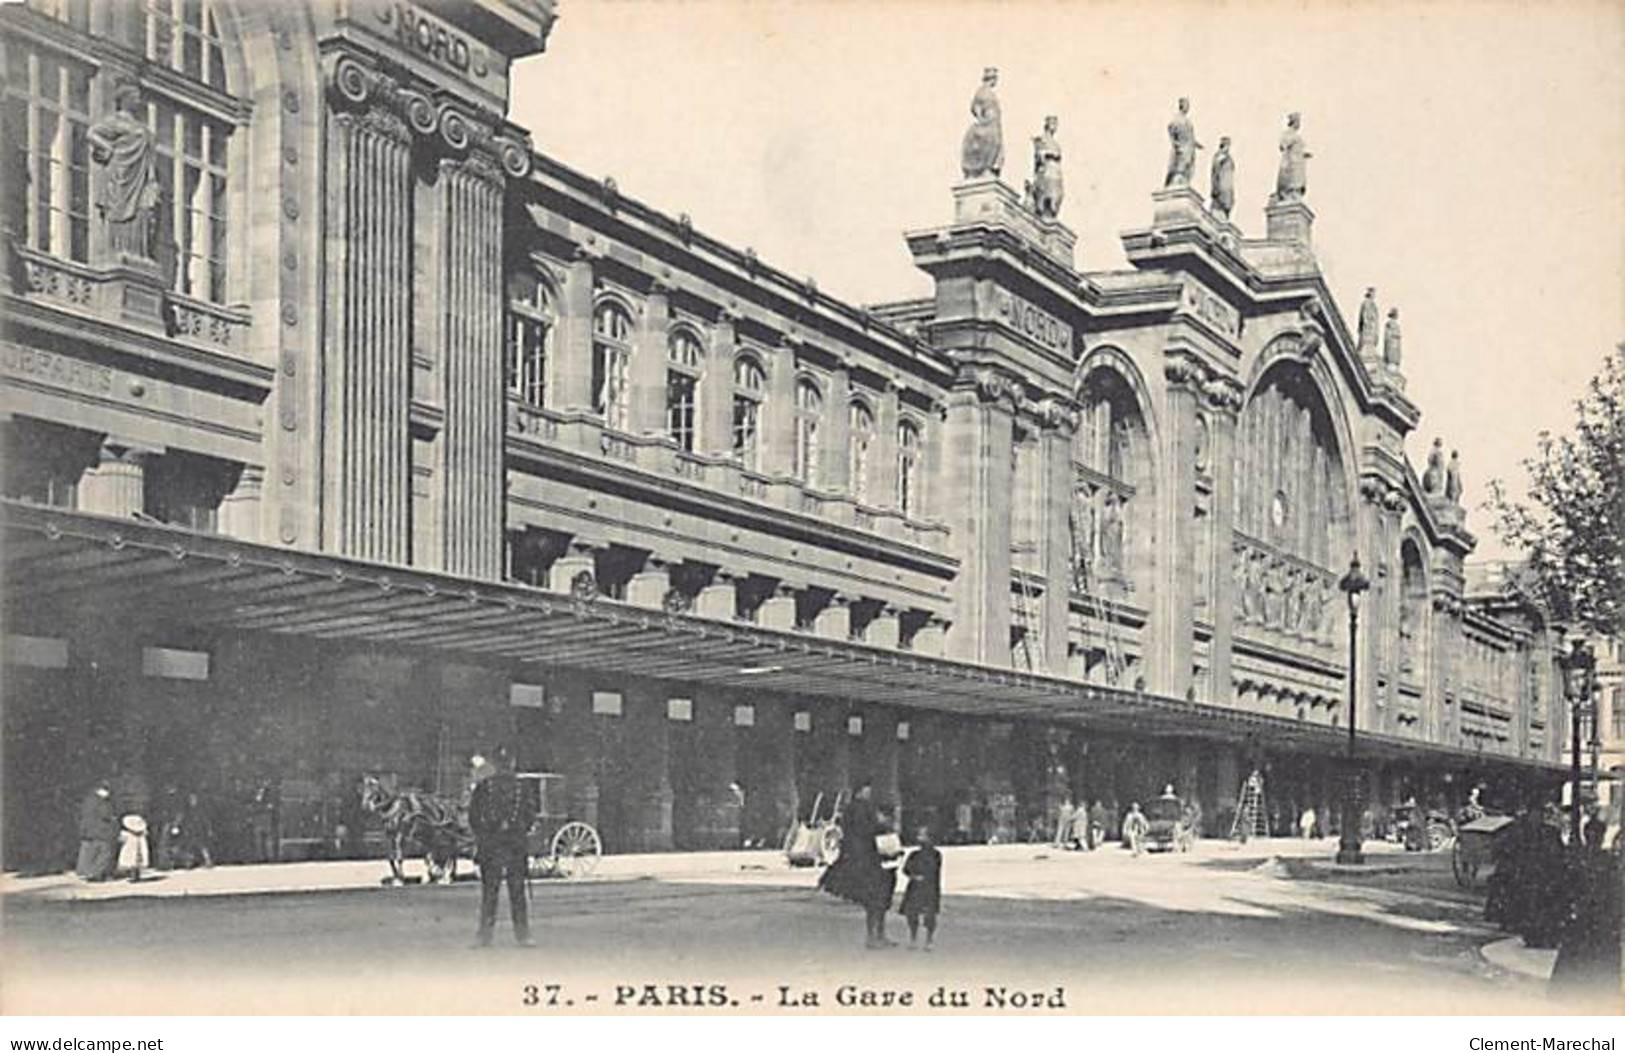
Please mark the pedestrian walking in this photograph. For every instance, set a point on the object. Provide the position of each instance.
(496, 814)
(1306, 824)
(1135, 827)
(98, 833)
(133, 853)
(922, 900)
(192, 835)
(857, 874)
(1064, 834)
(1097, 825)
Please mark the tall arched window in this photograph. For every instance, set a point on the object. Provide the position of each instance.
(47, 157)
(183, 35)
(809, 411)
(684, 360)
(861, 437)
(909, 454)
(611, 361)
(750, 380)
(531, 318)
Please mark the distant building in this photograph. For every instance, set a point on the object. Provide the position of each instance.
(398, 439)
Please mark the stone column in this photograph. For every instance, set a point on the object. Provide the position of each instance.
(368, 325)
(885, 630)
(778, 611)
(778, 420)
(719, 599)
(1055, 531)
(930, 639)
(581, 556)
(1168, 667)
(835, 620)
(981, 411)
(240, 509)
(717, 388)
(472, 477)
(835, 463)
(116, 486)
(647, 588)
(572, 354)
(1224, 402)
(647, 374)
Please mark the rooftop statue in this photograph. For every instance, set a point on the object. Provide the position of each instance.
(1433, 478)
(124, 145)
(1291, 180)
(1452, 479)
(1182, 147)
(982, 152)
(1045, 191)
(1368, 322)
(1391, 339)
(1223, 189)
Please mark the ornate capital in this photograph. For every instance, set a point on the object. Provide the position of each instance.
(1059, 414)
(1184, 370)
(992, 385)
(1222, 394)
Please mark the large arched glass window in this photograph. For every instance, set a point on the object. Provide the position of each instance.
(750, 380)
(183, 35)
(861, 438)
(909, 455)
(685, 358)
(809, 411)
(46, 175)
(611, 361)
(531, 319)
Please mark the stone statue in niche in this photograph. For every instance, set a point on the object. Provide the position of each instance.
(1291, 604)
(1452, 479)
(1081, 520)
(1222, 177)
(1272, 595)
(1391, 339)
(1111, 536)
(1182, 147)
(1292, 178)
(1433, 477)
(1368, 322)
(982, 152)
(1238, 567)
(1045, 191)
(125, 147)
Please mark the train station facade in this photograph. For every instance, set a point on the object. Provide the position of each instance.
(356, 436)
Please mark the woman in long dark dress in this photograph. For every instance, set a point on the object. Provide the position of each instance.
(857, 874)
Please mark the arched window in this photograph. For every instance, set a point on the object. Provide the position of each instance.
(46, 155)
(909, 454)
(611, 361)
(684, 360)
(531, 318)
(183, 35)
(809, 410)
(861, 437)
(750, 380)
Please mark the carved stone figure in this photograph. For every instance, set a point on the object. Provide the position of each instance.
(1182, 147)
(982, 152)
(1081, 521)
(1223, 178)
(1045, 191)
(1433, 477)
(1111, 536)
(123, 144)
(1291, 180)
(1391, 339)
(1291, 604)
(1368, 322)
(1272, 595)
(1452, 479)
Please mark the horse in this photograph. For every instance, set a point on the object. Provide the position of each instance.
(433, 823)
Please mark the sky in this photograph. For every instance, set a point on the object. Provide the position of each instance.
(1468, 159)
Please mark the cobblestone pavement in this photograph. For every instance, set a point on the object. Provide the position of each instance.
(1265, 927)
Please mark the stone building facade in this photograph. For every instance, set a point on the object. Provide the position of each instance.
(378, 437)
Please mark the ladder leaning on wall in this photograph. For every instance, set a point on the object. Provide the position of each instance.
(1251, 819)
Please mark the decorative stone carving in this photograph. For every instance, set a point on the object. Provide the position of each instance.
(125, 147)
(1391, 339)
(1222, 181)
(1046, 190)
(1182, 147)
(1291, 179)
(1452, 479)
(1433, 477)
(1111, 536)
(982, 152)
(994, 385)
(1368, 322)
(1081, 526)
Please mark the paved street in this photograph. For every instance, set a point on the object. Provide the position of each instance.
(1267, 927)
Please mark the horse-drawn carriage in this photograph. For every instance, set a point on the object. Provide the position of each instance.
(437, 826)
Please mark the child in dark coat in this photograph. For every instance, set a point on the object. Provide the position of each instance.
(923, 899)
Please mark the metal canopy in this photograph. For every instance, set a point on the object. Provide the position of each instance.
(59, 566)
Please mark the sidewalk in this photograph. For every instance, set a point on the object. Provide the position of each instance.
(1510, 954)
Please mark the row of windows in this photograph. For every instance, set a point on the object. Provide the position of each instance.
(531, 324)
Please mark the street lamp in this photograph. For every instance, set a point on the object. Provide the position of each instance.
(1348, 844)
(1576, 666)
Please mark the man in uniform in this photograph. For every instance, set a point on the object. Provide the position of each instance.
(496, 811)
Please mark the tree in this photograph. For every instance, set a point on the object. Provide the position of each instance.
(1572, 529)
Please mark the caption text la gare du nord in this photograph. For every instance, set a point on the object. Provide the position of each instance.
(784, 996)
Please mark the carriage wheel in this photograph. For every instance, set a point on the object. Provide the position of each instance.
(576, 848)
(1438, 834)
(829, 844)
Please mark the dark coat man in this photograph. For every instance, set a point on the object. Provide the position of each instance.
(98, 829)
(497, 814)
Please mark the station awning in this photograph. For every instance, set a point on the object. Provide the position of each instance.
(58, 564)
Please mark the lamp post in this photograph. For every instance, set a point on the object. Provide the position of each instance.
(1348, 844)
(1576, 666)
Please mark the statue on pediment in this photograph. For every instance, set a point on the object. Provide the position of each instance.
(1222, 192)
(1045, 191)
(1391, 339)
(1368, 322)
(1452, 479)
(1433, 477)
(1182, 147)
(1292, 178)
(982, 152)
(126, 149)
